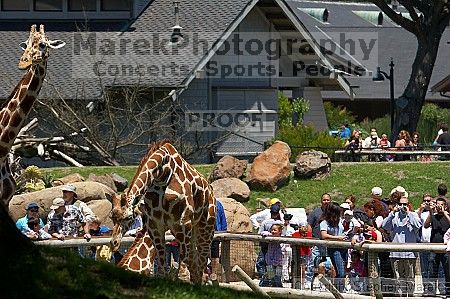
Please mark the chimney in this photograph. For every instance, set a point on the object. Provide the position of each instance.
(176, 30)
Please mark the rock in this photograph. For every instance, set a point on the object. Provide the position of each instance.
(271, 169)
(238, 221)
(72, 178)
(120, 182)
(102, 209)
(312, 165)
(103, 179)
(86, 191)
(231, 187)
(228, 167)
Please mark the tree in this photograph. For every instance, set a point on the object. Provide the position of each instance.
(428, 20)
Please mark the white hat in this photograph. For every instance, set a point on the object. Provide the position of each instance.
(345, 206)
(302, 222)
(348, 212)
(57, 202)
(377, 191)
(401, 190)
(69, 188)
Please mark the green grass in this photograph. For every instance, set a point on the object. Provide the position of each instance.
(356, 178)
(58, 273)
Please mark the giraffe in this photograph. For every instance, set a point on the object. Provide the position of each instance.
(19, 103)
(177, 198)
(140, 255)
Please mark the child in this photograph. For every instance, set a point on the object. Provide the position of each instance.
(36, 232)
(274, 259)
(305, 251)
(355, 273)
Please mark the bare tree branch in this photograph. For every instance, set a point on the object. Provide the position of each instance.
(397, 17)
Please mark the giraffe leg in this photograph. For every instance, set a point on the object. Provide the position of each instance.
(157, 235)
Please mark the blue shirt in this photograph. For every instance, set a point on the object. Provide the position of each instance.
(221, 220)
(405, 229)
(22, 224)
(346, 133)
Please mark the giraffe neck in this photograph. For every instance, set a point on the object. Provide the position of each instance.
(158, 165)
(18, 106)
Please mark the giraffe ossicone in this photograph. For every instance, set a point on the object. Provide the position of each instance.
(16, 109)
(177, 198)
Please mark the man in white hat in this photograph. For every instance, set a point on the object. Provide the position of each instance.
(71, 198)
(64, 220)
(258, 218)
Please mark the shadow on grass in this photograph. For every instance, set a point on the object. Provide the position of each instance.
(60, 273)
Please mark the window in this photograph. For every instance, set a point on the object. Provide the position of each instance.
(17, 5)
(48, 5)
(82, 5)
(116, 5)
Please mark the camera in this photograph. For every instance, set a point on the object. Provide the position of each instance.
(439, 208)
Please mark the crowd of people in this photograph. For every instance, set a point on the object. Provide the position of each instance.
(379, 219)
(70, 217)
(405, 141)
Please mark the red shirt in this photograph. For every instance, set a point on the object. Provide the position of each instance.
(304, 250)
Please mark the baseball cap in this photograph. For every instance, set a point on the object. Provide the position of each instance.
(57, 202)
(288, 216)
(275, 209)
(274, 201)
(32, 205)
(348, 212)
(69, 188)
(377, 191)
(345, 206)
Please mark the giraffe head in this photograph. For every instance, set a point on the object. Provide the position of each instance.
(121, 220)
(36, 47)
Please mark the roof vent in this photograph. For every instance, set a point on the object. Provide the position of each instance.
(320, 14)
(374, 17)
(176, 35)
(408, 16)
(394, 4)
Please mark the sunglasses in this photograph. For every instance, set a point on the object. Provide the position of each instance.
(426, 200)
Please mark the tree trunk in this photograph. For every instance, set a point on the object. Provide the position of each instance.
(408, 106)
(13, 242)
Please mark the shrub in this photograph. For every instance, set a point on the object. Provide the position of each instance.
(430, 118)
(338, 115)
(287, 108)
(300, 136)
(382, 124)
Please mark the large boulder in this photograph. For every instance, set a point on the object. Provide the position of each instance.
(231, 187)
(242, 253)
(228, 167)
(103, 179)
(271, 169)
(96, 195)
(312, 165)
(69, 179)
(120, 182)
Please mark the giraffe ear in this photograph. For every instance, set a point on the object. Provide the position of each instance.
(23, 45)
(56, 44)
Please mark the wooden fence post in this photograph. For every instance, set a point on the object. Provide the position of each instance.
(374, 278)
(295, 269)
(226, 259)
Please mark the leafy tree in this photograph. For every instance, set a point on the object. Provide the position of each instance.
(428, 20)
